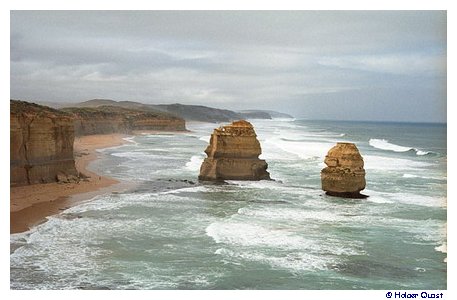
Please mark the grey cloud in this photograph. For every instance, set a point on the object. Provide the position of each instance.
(300, 61)
(411, 63)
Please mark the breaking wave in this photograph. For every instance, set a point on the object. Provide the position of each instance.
(385, 145)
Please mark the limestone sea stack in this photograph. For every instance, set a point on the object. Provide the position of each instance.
(344, 175)
(233, 154)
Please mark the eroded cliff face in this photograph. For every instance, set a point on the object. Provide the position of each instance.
(344, 175)
(41, 144)
(110, 119)
(233, 154)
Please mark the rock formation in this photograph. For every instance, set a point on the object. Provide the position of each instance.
(41, 144)
(112, 119)
(233, 154)
(344, 175)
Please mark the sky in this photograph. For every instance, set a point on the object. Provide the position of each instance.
(337, 65)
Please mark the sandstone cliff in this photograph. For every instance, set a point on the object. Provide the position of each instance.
(111, 119)
(41, 144)
(344, 175)
(233, 153)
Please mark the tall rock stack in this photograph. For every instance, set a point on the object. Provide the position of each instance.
(344, 175)
(233, 154)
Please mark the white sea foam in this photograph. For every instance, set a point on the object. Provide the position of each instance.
(193, 189)
(143, 155)
(295, 214)
(261, 184)
(130, 139)
(382, 163)
(304, 150)
(410, 176)
(205, 138)
(159, 135)
(421, 200)
(385, 145)
(271, 185)
(377, 199)
(65, 248)
(442, 248)
(283, 119)
(407, 175)
(297, 261)
(194, 163)
(254, 242)
(131, 154)
(406, 198)
(247, 234)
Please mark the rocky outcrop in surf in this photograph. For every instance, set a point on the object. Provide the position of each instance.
(41, 144)
(344, 175)
(233, 154)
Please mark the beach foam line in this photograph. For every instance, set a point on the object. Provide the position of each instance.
(130, 139)
(383, 144)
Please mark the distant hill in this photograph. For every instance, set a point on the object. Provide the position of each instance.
(97, 103)
(199, 113)
(188, 112)
(255, 114)
(56, 105)
(260, 114)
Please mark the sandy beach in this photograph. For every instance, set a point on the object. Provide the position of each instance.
(30, 205)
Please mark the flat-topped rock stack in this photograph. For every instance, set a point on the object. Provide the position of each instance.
(233, 154)
(344, 175)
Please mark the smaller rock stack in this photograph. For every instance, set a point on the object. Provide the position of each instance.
(344, 175)
(233, 154)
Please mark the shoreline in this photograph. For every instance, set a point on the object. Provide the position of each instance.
(31, 204)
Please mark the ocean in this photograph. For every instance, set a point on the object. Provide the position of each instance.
(172, 232)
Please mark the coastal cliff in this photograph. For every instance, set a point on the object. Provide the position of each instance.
(233, 153)
(344, 175)
(111, 119)
(41, 138)
(41, 144)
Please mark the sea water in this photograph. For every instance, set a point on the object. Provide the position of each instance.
(173, 232)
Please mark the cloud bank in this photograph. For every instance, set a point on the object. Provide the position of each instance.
(356, 65)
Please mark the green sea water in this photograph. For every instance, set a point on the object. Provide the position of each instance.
(172, 232)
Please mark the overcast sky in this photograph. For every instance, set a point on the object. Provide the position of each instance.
(353, 65)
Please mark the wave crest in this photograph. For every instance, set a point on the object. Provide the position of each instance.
(385, 145)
